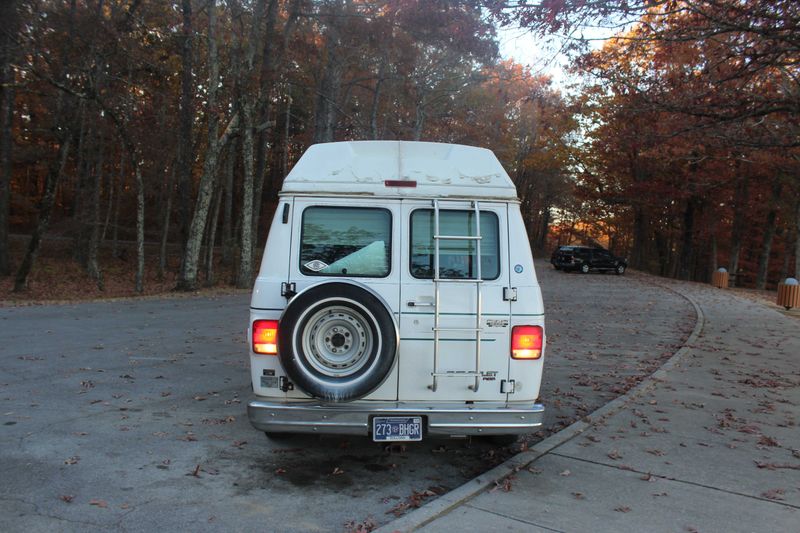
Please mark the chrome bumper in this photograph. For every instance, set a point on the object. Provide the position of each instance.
(355, 418)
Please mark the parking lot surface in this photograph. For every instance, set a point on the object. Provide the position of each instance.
(130, 415)
(708, 443)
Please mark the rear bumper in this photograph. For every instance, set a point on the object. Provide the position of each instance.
(355, 418)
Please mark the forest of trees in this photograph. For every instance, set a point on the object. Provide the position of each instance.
(155, 134)
(690, 158)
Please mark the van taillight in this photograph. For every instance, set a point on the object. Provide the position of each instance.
(265, 336)
(526, 342)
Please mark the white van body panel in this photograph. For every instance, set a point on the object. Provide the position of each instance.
(458, 309)
(355, 174)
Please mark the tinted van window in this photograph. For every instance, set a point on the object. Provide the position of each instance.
(457, 259)
(346, 241)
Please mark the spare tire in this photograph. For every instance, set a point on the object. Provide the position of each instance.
(337, 342)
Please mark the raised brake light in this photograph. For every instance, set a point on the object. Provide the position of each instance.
(400, 183)
(526, 342)
(265, 337)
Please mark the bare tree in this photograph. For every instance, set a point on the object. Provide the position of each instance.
(189, 266)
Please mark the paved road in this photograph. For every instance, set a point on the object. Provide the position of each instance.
(710, 444)
(130, 415)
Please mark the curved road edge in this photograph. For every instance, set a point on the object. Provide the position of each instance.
(447, 502)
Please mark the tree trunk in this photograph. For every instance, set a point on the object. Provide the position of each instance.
(187, 279)
(419, 120)
(80, 243)
(212, 236)
(51, 183)
(264, 91)
(92, 263)
(139, 225)
(376, 94)
(714, 263)
(227, 221)
(245, 273)
(162, 249)
(247, 102)
(769, 233)
(185, 116)
(797, 239)
(328, 91)
(286, 137)
(639, 236)
(687, 244)
(8, 14)
(115, 226)
(788, 239)
(737, 227)
(111, 198)
(545, 227)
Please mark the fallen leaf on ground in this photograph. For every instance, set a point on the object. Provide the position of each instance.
(72, 460)
(775, 466)
(774, 494)
(622, 509)
(66, 498)
(504, 484)
(767, 441)
(99, 503)
(351, 526)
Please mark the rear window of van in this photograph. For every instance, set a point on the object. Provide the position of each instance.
(457, 258)
(346, 241)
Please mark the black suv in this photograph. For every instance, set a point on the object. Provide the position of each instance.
(584, 259)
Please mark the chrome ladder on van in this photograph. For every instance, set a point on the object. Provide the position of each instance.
(437, 281)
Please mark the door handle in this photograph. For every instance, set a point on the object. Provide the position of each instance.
(412, 303)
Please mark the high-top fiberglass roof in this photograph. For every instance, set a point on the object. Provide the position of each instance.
(400, 168)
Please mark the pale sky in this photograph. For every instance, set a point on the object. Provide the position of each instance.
(544, 56)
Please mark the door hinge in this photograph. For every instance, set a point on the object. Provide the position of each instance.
(509, 294)
(288, 290)
(284, 384)
(507, 386)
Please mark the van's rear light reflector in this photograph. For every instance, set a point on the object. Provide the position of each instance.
(400, 183)
(526, 342)
(265, 337)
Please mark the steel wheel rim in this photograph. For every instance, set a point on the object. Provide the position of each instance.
(338, 341)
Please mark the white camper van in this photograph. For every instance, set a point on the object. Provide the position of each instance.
(397, 297)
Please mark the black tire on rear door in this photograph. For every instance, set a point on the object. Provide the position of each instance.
(337, 342)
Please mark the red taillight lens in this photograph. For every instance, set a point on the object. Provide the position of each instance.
(265, 337)
(526, 342)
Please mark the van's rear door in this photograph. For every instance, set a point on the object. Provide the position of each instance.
(458, 302)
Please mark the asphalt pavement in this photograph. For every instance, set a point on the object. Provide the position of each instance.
(709, 443)
(129, 415)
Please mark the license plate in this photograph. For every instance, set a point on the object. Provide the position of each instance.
(394, 428)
